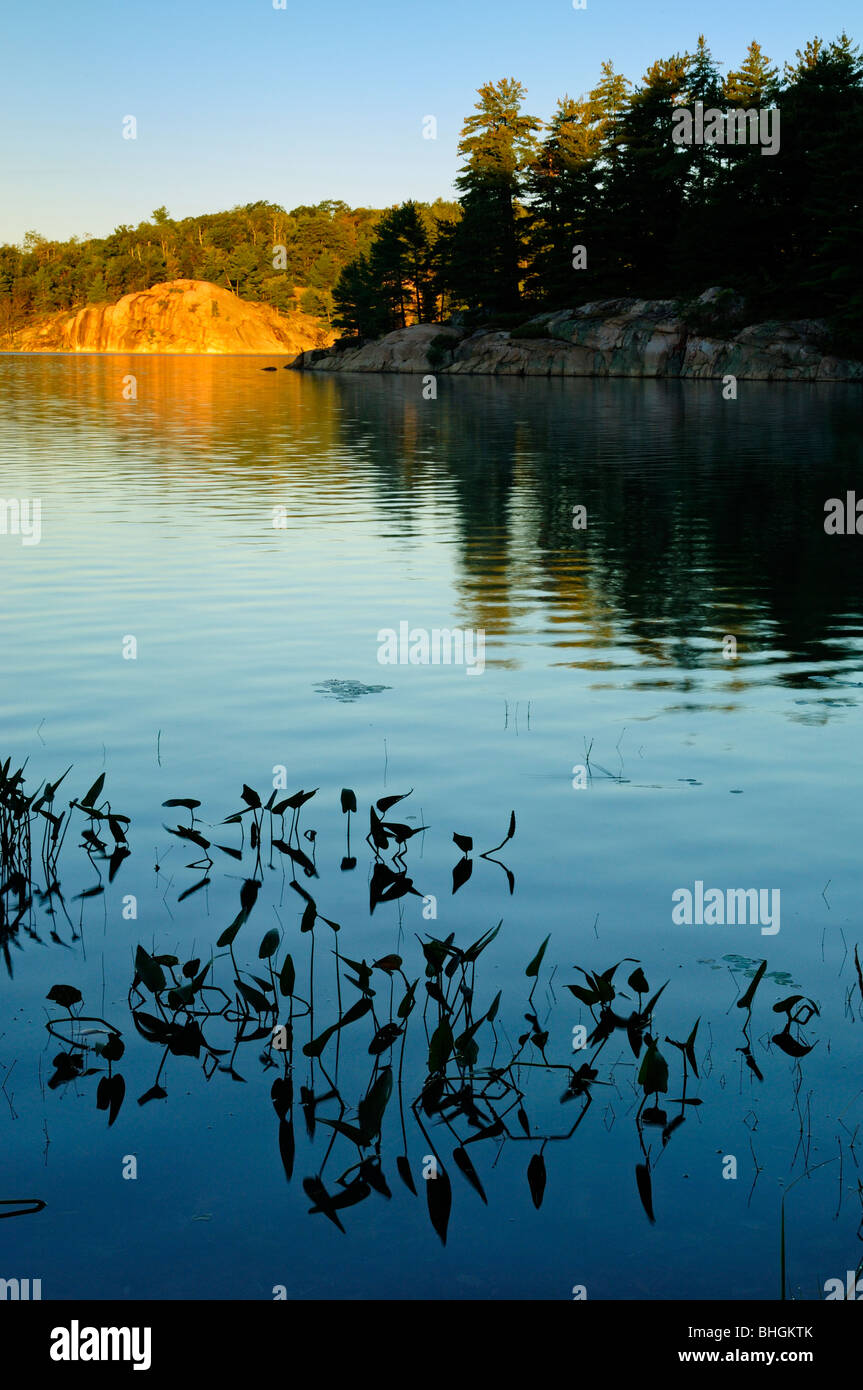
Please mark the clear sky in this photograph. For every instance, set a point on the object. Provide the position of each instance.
(235, 100)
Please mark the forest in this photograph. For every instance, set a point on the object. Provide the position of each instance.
(600, 201)
(605, 201)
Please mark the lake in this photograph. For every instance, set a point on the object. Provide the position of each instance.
(669, 695)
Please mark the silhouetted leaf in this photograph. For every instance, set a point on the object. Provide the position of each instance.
(269, 945)
(230, 932)
(370, 1110)
(464, 842)
(536, 1178)
(315, 1190)
(90, 799)
(786, 1005)
(465, 1166)
(653, 1074)
(746, 1001)
(384, 1038)
(349, 800)
(404, 1170)
(790, 1045)
(533, 969)
(287, 977)
(439, 1198)
(151, 974)
(282, 1095)
(64, 995)
(645, 1189)
(287, 1147)
(440, 1046)
(387, 801)
(461, 873)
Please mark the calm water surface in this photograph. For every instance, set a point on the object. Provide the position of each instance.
(253, 532)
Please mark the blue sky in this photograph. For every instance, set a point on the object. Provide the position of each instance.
(236, 100)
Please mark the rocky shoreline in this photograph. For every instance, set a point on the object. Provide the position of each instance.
(704, 340)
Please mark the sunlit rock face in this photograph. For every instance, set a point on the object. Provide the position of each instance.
(182, 316)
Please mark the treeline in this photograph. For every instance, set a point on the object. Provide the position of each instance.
(261, 252)
(601, 202)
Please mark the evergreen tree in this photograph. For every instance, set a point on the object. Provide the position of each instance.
(488, 247)
(755, 83)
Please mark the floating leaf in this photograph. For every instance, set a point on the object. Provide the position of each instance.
(64, 995)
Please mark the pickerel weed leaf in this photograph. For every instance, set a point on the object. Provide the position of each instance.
(317, 1193)
(387, 801)
(746, 1001)
(463, 842)
(349, 800)
(404, 1171)
(533, 969)
(282, 1095)
(287, 977)
(536, 1178)
(287, 1147)
(269, 945)
(440, 1047)
(384, 1038)
(462, 871)
(370, 1111)
(230, 932)
(95, 790)
(464, 1165)
(150, 972)
(653, 1073)
(645, 1189)
(439, 1198)
(638, 982)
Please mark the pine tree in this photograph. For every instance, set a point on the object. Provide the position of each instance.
(755, 83)
(488, 244)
